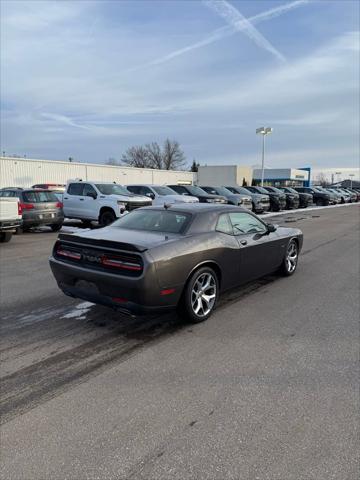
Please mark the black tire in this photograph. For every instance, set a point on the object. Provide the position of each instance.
(193, 296)
(5, 237)
(56, 227)
(106, 218)
(86, 223)
(291, 258)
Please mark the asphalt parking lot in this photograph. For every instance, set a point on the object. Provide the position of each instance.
(267, 388)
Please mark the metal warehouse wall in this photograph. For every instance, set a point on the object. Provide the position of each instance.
(19, 172)
(224, 175)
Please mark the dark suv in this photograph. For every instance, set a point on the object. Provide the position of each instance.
(292, 199)
(305, 199)
(198, 192)
(38, 207)
(320, 198)
(277, 199)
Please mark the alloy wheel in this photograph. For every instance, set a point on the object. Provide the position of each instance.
(203, 294)
(291, 257)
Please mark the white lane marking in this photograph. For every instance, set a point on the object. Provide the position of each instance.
(304, 210)
(80, 311)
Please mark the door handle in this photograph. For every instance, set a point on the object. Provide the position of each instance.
(66, 198)
(81, 199)
(243, 242)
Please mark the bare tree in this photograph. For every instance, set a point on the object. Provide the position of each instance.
(173, 156)
(137, 156)
(155, 155)
(322, 179)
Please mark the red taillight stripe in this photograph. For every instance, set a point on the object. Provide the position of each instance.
(68, 254)
(110, 262)
(167, 291)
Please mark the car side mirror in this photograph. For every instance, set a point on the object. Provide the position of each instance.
(271, 228)
(150, 195)
(92, 195)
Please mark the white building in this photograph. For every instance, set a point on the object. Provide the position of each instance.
(217, 175)
(21, 172)
(282, 176)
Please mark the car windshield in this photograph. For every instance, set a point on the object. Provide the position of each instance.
(111, 189)
(39, 197)
(241, 190)
(261, 190)
(164, 191)
(153, 221)
(290, 190)
(223, 191)
(194, 190)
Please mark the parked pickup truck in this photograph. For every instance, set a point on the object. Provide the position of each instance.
(10, 218)
(100, 201)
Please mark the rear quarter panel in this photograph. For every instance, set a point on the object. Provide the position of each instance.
(176, 260)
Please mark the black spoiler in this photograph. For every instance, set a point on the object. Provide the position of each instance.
(72, 238)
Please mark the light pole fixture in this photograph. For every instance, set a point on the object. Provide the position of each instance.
(263, 131)
(351, 175)
(338, 174)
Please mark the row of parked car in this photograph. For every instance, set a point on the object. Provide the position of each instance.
(49, 204)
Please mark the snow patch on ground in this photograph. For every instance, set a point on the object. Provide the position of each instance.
(80, 311)
(304, 210)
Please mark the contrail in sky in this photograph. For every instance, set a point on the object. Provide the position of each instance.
(237, 20)
(229, 30)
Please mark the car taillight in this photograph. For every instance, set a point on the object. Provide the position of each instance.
(64, 252)
(118, 262)
(19, 208)
(26, 206)
(59, 205)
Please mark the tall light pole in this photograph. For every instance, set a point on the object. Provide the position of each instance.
(351, 175)
(263, 131)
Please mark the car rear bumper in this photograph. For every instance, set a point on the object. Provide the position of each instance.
(131, 294)
(36, 219)
(127, 307)
(9, 225)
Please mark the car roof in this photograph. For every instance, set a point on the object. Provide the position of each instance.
(198, 208)
(145, 185)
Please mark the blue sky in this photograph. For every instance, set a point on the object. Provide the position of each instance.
(88, 79)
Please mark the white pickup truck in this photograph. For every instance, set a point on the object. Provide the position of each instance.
(10, 217)
(100, 201)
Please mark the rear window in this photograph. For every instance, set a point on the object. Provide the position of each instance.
(154, 221)
(39, 197)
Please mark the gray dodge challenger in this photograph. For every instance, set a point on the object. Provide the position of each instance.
(174, 256)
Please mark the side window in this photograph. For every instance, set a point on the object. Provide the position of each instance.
(5, 194)
(144, 190)
(179, 189)
(87, 188)
(223, 225)
(243, 223)
(133, 189)
(75, 189)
